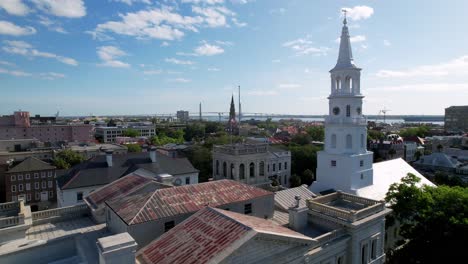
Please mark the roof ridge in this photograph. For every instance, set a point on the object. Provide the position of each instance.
(144, 205)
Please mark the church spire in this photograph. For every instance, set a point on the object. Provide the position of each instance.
(232, 111)
(345, 56)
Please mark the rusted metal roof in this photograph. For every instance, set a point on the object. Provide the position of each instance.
(139, 208)
(208, 235)
(129, 184)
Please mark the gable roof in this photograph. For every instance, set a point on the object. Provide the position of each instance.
(287, 198)
(31, 164)
(385, 174)
(209, 236)
(95, 172)
(185, 199)
(438, 159)
(132, 183)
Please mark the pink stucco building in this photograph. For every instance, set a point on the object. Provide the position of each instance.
(18, 126)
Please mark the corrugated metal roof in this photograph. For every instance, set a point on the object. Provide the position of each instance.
(208, 234)
(129, 184)
(286, 198)
(178, 200)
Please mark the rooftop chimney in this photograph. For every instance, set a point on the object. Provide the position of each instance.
(297, 215)
(152, 154)
(118, 248)
(109, 158)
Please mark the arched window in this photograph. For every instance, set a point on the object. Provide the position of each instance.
(242, 171)
(349, 84)
(224, 169)
(262, 168)
(348, 110)
(338, 84)
(217, 167)
(232, 171)
(252, 170)
(362, 140)
(349, 142)
(333, 141)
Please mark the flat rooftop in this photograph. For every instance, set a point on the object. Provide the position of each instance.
(50, 231)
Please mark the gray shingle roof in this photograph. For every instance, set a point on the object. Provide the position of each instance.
(31, 164)
(95, 172)
(286, 198)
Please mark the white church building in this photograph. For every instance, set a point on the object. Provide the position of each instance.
(345, 164)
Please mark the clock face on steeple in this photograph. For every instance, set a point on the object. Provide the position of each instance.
(336, 110)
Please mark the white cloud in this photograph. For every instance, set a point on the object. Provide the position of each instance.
(130, 2)
(6, 63)
(164, 44)
(14, 7)
(426, 87)
(304, 46)
(238, 23)
(224, 43)
(358, 12)
(51, 25)
(180, 80)
(179, 62)
(278, 11)
(214, 69)
(109, 55)
(387, 42)
(154, 23)
(14, 73)
(62, 8)
(262, 92)
(8, 28)
(289, 86)
(208, 2)
(276, 60)
(458, 66)
(354, 39)
(152, 72)
(51, 76)
(214, 16)
(27, 50)
(208, 50)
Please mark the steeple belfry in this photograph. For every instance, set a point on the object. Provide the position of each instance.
(345, 163)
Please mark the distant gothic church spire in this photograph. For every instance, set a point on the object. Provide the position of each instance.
(232, 111)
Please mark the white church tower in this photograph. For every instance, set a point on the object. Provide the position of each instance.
(344, 164)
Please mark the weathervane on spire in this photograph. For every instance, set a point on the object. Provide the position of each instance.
(344, 12)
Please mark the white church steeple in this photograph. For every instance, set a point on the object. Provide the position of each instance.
(344, 164)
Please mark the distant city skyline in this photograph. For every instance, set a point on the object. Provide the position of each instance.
(127, 57)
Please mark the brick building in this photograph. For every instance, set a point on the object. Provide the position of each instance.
(18, 126)
(33, 180)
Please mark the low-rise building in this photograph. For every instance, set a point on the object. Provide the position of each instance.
(256, 164)
(77, 182)
(108, 134)
(146, 216)
(33, 181)
(89, 151)
(335, 228)
(18, 126)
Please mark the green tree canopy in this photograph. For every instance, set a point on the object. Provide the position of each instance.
(194, 131)
(130, 132)
(433, 220)
(307, 177)
(67, 158)
(303, 158)
(133, 147)
(301, 139)
(295, 181)
(316, 133)
(421, 131)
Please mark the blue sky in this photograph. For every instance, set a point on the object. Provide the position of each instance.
(109, 57)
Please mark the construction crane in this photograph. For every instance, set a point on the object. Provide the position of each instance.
(384, 112)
